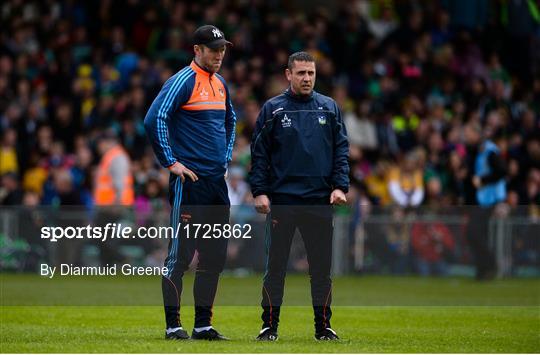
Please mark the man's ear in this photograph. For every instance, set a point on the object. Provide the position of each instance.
(197, 49)
(288, 74)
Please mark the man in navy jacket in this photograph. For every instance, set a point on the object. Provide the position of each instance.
(300, 167)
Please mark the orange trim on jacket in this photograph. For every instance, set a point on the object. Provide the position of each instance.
(208, 92)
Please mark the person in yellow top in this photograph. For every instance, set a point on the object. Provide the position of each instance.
(35, 175)
(8, 154)
(377, 183)
(405, 183)
(34, 178)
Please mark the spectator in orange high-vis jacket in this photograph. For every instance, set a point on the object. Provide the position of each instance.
(113, 184)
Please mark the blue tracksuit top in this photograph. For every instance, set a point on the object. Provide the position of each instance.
(192, 121)
(299, 147)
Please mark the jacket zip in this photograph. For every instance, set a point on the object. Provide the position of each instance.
(210, 81)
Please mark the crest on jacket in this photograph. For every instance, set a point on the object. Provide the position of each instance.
(286, 121)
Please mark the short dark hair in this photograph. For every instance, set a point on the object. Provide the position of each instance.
(299, 57)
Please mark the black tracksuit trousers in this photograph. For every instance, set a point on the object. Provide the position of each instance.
(313, 218)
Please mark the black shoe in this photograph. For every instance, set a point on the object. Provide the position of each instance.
(326, 334)
(268, 334)
(210, 334)
(180, 334)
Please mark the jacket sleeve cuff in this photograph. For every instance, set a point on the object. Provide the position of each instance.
(169, 164)
(260, 192)
(345, 189)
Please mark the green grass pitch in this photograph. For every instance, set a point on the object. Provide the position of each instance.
(371, 314)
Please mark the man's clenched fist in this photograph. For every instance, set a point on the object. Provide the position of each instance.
(262, 204)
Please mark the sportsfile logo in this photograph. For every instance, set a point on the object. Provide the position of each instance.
(286, 121)
(119, 231)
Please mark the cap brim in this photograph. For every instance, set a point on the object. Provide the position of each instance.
(218, 43)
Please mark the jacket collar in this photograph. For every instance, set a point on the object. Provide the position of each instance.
(199, 70)
(302, 98)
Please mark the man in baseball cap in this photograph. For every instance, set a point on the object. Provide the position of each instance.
(210, 36)
(191, 125)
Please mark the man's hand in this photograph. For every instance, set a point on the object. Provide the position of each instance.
(180, 170)
(262, 204)
(337, 197)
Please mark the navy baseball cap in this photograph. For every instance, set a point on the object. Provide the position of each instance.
(210, 36)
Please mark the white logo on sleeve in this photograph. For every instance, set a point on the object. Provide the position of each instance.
(286, 121)
(217, 33)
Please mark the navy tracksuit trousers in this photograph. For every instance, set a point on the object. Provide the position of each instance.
(205, 201)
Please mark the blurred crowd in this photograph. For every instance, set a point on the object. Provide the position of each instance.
(420, 84)
(408, 76)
